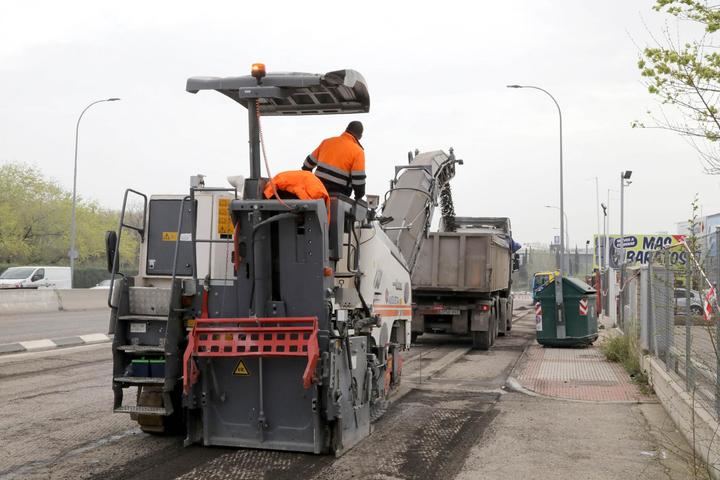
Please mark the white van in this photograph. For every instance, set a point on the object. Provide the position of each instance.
(36, 277)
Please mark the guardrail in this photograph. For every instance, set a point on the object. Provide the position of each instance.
(14, 301)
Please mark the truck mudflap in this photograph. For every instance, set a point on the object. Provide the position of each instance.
(252, 337)
(480, 319)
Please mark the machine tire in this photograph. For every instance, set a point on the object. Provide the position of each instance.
(481, 340)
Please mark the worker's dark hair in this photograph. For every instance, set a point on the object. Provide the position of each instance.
(355, 128)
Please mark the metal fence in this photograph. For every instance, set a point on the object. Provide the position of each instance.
(665, 306)
(533, 260)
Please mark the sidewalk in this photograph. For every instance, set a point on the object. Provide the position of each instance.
(576, 416)
(577, 374)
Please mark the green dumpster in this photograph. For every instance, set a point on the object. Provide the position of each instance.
(580, 315)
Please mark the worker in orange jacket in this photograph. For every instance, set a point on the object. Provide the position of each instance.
(297, 184)
(339, 162)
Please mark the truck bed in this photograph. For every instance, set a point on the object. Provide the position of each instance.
(476, 261)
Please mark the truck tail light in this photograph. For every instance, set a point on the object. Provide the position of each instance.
(484, 308)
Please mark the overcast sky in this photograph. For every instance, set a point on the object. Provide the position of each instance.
(436, 72)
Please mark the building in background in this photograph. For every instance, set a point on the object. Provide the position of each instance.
(705, 228)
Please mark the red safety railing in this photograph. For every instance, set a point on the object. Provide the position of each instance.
(252, 337)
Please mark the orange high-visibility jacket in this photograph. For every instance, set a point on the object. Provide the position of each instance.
(300, 183)
(340, 163)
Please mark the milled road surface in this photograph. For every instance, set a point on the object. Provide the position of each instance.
(36, 326)
(56, 423)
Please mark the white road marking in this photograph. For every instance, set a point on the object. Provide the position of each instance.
(37, 344)
(94, 337)
(13, 357)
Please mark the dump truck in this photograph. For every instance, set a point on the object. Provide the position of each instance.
(272, 323)
(462, 280)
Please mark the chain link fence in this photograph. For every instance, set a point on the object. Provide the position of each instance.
(532, 260)
(671, 310)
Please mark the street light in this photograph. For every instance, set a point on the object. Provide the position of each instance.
(624, 181)
(567, 226)
(73, 227)
(558, 284)
(603, 252)
(609, 228)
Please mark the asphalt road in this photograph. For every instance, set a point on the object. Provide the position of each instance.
(56, 422)
(37, 326)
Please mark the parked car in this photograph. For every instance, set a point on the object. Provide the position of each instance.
(696, 301)
(36, 277)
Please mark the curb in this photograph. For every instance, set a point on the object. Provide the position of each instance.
(51, 344)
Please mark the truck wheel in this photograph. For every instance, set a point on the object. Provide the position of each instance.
(494, 324)
(510, 315)
(502, 317)
(482, 340)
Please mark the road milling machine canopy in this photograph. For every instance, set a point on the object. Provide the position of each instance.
(266, 323)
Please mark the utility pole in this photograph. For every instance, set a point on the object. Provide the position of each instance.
(624, 179)
(73, 254)
(559, 303)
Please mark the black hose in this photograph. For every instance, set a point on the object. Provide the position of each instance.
(357, 276)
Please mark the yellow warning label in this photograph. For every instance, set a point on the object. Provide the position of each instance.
(241, 370)
(225, 225)
(169, 236)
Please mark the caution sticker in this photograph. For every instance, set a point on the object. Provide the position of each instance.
(225, 225)
(241, 370)
(583, 310)
(172, 237)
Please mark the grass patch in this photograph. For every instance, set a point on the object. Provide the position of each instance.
(620, 349)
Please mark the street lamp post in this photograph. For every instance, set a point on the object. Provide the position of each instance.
(560, 307)
(602, 252)
(597, 206)
(603, 255)
(567, 226)
(609, 227)
(624, 181)
(73, 224)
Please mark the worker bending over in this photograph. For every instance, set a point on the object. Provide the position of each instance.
(339, 162)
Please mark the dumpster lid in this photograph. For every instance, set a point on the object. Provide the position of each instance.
(581, 286)
(573, 284)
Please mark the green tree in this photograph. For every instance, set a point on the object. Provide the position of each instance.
(35, 222)
(686, 75)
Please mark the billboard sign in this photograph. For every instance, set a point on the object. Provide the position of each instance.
(639, 249)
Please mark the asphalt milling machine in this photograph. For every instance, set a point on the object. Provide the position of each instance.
(269, 323)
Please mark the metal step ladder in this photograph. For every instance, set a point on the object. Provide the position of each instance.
(148, 326)
(147, 323)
